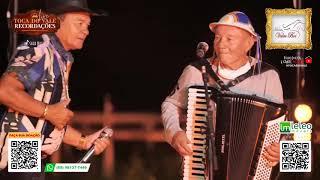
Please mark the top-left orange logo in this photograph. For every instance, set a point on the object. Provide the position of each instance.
(35, 22)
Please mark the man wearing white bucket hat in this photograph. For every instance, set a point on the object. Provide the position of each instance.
(234, 38)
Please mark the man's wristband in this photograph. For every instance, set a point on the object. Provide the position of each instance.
(45, 112)
(82, 142)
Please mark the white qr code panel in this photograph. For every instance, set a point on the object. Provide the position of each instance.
(295, 156)
(24, 155)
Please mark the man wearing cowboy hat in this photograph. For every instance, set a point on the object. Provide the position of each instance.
(34, 88)
(234, 37)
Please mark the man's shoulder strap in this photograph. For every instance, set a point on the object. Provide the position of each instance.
(204, 62)
(252, 72)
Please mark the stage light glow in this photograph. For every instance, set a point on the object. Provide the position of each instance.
(303, 113)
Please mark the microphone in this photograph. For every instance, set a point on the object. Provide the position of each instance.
(106, 133)
(202, 49)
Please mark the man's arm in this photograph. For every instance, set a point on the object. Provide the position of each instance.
(174, 135)
(74, 138)
(274, 89)
(13, 95)
(172, 110)
(170, 114)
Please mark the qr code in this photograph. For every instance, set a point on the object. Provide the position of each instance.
(295, 156)
(24, 155)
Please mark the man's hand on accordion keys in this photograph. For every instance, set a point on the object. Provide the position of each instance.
(272, 154)
(180, 143)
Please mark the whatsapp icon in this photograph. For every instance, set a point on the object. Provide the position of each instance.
(49, 167)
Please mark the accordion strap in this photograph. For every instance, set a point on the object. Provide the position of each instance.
(204, 62)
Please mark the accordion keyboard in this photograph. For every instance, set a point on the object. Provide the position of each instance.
(194, 165)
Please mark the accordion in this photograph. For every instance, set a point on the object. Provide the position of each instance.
(245, 125)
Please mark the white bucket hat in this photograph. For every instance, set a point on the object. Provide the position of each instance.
(242, 21)
(236, 19)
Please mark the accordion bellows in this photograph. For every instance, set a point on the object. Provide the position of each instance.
(245, 125)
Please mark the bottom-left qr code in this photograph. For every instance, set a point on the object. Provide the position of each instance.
(24, 155)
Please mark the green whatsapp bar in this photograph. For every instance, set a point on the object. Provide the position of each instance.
(67, 167)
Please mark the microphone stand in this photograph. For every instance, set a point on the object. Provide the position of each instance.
(212, 158)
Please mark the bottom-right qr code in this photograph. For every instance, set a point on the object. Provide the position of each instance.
(295, 156)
